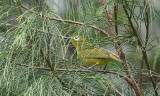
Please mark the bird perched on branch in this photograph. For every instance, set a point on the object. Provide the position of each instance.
(90, 54)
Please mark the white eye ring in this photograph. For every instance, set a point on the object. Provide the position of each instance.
(76, 38)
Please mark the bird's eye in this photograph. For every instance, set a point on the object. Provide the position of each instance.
(76, 38)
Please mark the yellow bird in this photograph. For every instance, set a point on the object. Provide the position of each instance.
(92, 55)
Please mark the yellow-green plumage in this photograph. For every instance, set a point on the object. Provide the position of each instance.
(91, 54)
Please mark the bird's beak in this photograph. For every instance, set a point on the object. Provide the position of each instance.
(67, 38)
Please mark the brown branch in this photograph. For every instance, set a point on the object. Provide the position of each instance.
(109, 18)
(141, 78)
(141, 73)
(136, 88)
(121, 52)
(147, 23)
(145, 57)
(130, 81)
(77, 70)
(101, 71)
(47, 60)
(133, 82)
(51, 68)
(68, 21)
(115, 17)
(35, 67)
(151, 47)
(111, 27)
(19, 7)
(130, 22)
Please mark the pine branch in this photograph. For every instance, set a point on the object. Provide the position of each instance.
(121, 52)
(145, 57)
(68, 21)
(77, 70)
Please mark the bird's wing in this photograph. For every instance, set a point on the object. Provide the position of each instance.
(100, 53)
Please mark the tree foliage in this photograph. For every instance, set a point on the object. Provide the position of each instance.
(35, 59)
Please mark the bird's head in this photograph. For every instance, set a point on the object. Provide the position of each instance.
(78, 40)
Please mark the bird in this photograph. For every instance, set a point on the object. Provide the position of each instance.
(90, 54)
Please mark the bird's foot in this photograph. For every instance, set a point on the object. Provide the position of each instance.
(92, 66)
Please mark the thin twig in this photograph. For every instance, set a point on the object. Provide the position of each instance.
(115, 17)
(121, 53)
(19, 7)
(109, 19)
(116, 90)
(141, 77)
(150, 74)
(130, 81)
(145, 57)
(49, 63)
(47, 60)
(151, 47)
(76, 70)
(68, 21)
(130, 22)
(147, 22)
(118, 45)
(35, 67)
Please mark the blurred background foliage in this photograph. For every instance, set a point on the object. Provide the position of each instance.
(29, 42)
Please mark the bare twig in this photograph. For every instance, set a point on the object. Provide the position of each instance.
(151, 47)
(145, 57)
(115, 17)
(77, 70)
(147, 22)
(118, 45)
(109, 18)
(121, 53)
(141, 78)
